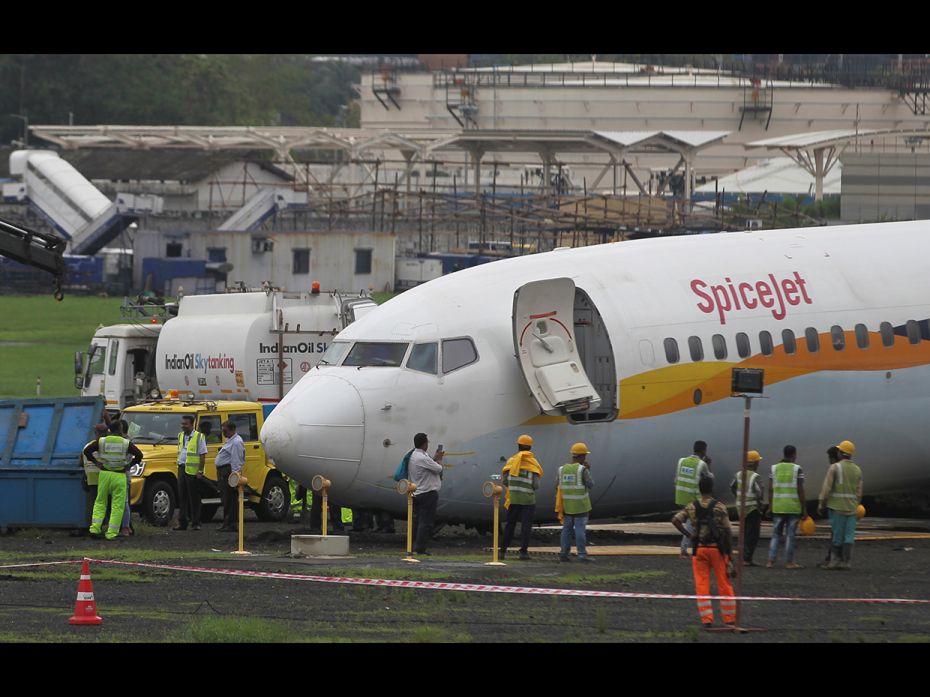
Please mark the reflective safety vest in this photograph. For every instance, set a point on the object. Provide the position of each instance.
(575, 499)
(844, 496)
(521, 488)
(91, 471)
(752, 499)
(689, 473)
(112, 453)
(192, 464)
(785, 488)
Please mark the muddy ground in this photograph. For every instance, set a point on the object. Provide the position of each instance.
(154, 605)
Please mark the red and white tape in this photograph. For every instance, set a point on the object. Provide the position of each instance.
(477, 587)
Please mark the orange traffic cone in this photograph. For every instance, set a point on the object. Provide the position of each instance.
(85, 607)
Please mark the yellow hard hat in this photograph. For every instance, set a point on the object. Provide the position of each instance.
(860, 511)
(847, 447)
(525, 440)
(753, 456)
(808, 526)
(580, 449)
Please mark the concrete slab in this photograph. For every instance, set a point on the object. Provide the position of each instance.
(600, 550)
(869, 529)
(319, 546)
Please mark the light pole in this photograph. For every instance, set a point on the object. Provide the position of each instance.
(746, 383)
(25, 120)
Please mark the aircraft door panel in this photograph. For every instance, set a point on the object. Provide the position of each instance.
(597, 358)
(544, 340)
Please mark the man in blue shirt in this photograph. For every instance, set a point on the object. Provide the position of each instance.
(230, 458)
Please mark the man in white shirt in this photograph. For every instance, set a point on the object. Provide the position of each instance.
(426, 473)
(230, 458)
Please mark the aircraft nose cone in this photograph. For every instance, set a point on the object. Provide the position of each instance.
(318, 428)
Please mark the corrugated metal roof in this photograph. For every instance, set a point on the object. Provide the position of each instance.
(779, 175)
(157, 164)
(694, 139)
(812, 139)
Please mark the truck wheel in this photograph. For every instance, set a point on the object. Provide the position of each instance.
(158, 502)
(208, 511)
(276, 501)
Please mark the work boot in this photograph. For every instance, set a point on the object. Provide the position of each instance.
(836, 553)
(846, 563)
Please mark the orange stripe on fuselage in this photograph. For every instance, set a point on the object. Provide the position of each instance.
(672, 388)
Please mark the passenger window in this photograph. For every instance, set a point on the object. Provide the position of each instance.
(457, 353)
(913, 332)
(246, 426)
(838, 337)
(862, 336)
(743, 347)
(813, 339)
(423, 358)
(765, 343)
(887, 332)
(209, 426)
(671, 350)
(114, 354)
(720, 346)
(96, 357)
(788, 341)
(696, 347)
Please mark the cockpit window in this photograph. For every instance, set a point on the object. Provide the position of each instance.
(423, 358)
(365, 353)
(334, 353)
(457, 353)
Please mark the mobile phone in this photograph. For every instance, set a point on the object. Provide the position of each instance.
(441, 448)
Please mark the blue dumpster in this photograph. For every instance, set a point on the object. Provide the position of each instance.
(40, 447)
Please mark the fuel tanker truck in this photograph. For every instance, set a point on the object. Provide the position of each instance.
(223, 357)
(245, 345)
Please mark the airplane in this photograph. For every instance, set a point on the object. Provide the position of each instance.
(629, 347)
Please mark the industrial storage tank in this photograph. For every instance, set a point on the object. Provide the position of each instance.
(229, 346)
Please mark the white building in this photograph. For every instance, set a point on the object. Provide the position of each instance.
(289, 260)
(621, 97)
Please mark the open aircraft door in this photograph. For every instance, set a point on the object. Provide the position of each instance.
(545, 344)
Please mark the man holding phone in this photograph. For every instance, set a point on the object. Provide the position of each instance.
(426, 474)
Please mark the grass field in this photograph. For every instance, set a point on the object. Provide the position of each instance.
(38, 338)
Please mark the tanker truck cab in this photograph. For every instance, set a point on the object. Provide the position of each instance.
(154, 428)
(119, 365)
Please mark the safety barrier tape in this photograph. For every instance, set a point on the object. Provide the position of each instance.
(482, 588)
(43, 563)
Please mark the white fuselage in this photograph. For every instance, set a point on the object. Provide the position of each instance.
(852, 285)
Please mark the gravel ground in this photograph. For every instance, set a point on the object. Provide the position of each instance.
(142, 604)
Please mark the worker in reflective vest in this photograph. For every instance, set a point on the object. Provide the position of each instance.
(192, 449)
(572, 502)
(787, 503)
(521, 476)
(687, 475)
(112, 454)
(91, 476)
(754, 504)
(841, 494)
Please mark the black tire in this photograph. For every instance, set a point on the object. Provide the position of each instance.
(158, 502)
(208, 511)
(276, 501)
